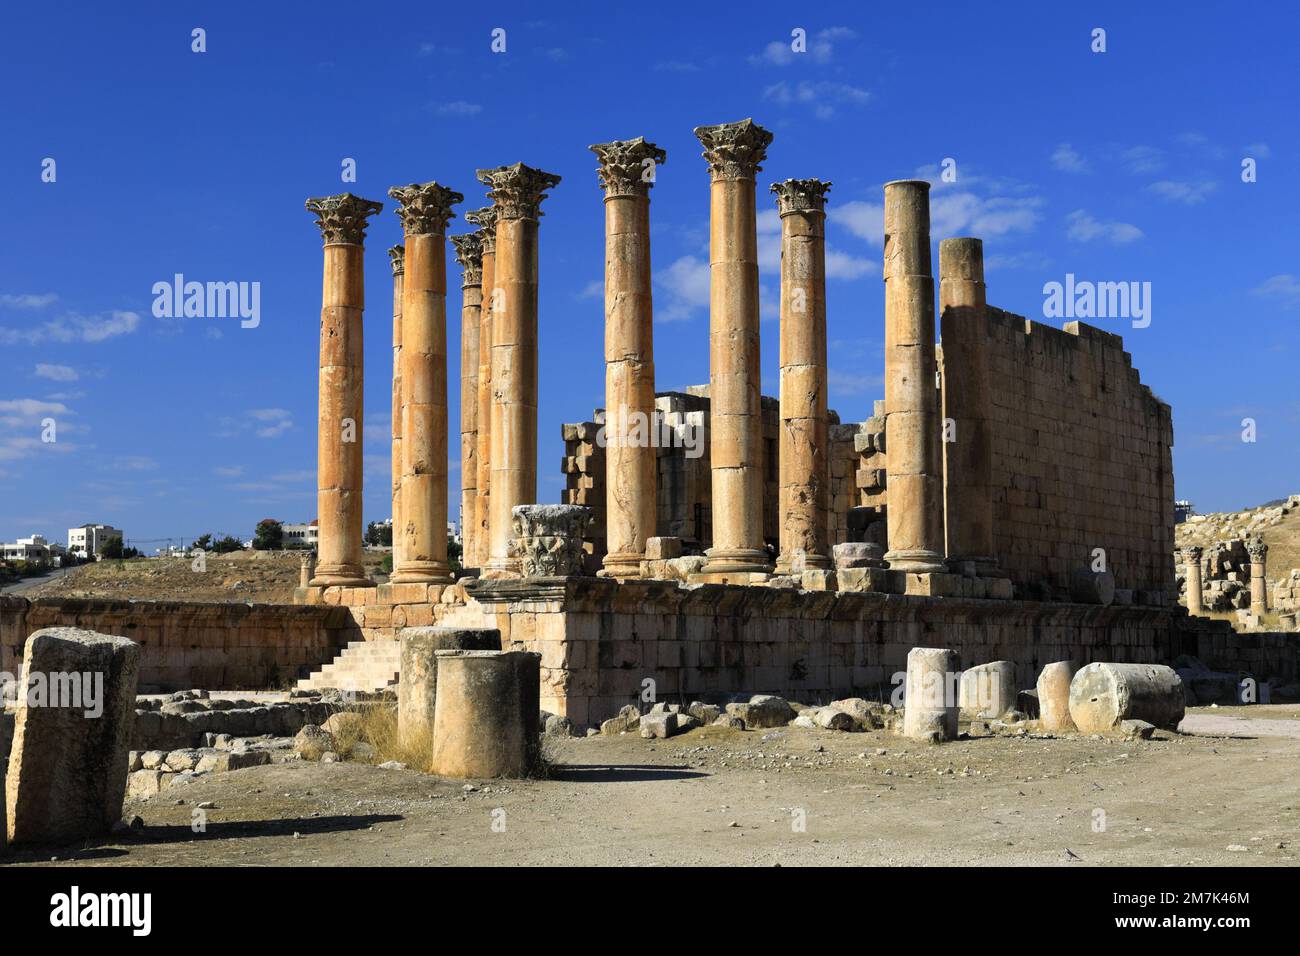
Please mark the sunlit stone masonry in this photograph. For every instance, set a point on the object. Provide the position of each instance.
(342, 221)
(424, 211)
(627, 171)
(485, 219)
(804, 466)
(397, 259)
(734, 152)
(469, 253)
(516, 192)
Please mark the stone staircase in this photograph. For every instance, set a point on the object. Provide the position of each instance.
(363, 666)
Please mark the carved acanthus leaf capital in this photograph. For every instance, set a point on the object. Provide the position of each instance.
(342, 218)
(397, 259)
(469, 253)
(486, 220)
(1192, 552)
(627, 167)
(1257, 550)
(801, 195)
(425, 208)
(517, 191)
(734, 150)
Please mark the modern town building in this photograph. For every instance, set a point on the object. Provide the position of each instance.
(88, 540)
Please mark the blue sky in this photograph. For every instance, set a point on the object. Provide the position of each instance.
(1115, 166)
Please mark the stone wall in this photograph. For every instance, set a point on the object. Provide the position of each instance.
(184, 645)
(600, 641)
(1082, 459)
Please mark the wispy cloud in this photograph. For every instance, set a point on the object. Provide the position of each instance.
(1082, 226)
(1187, 193)
(819, 47)
(73, 327)
(1067, 159)
(821, 97)
(56, 373)
(683, 289)
(29, 301)
(458, 108)
(1284, 288)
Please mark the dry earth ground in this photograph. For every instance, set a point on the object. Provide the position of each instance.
(723, 797)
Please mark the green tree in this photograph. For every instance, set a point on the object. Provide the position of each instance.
(203, 542)
(112, 547)
(454, 551)
(227, 543)
(269, 535)
(379, 535)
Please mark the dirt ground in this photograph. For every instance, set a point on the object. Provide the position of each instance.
(1227, 794)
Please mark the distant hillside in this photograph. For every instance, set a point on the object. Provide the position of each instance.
(1278, 523)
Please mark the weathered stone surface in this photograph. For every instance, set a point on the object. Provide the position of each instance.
(831, 718)
(548, 539)
(486, 714)
(68, 765)
(1102, 695)
(225, 760)
(662, 548)
(1054, 696)
(930, 706)
(658, 725)
(313, 742)
(1092, 587)
(988, 690)
(763, 710)
(143, 784)
(417, 691)
(858, 554)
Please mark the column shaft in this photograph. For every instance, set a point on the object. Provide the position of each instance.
(486, 220)
(967, 405)
(469, 252)
(914, 514)
(804, 472)
(396, 254)
(1192, 567)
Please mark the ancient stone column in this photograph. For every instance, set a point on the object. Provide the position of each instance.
(915, 510)
(1258, 552)
(734, 152)
(1192, 564)
(306, 568)
(486, 220)
(804, 468)
(342, 221)
(417, 691)
(627, 170)
(967, 406)
(469, 253)
(930, 709)
(1054, 696)
(397, 258)
(425, 211)
(485, 714)
(516, 192)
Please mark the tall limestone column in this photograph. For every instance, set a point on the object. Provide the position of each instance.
(342, 221)
(1192, 564)
(627, 171)
(734, 152)
(804, 464)
(425, 211)
(914, 515)
(967, 406)
(397, 258)
(516, 192)
(1258, 552)
(486, 220)
(469, 253)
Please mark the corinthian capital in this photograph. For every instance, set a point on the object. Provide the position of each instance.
(1257, 550)
(397, 259)
(734, 150)
(627, 167)
(801, 195)
(342, 218)
(486, 220)
(517, 191)
(425, 208)
(469, 253)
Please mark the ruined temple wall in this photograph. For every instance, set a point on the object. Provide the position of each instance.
(1082, 458)
(183, 645)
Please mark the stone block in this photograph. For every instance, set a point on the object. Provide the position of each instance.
(663, 549)
(486, 714)
(417, 690)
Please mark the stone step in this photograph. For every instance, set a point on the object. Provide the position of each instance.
(362, 666)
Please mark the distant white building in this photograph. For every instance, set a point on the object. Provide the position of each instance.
(301, 535)
(88, 540)
(35, 548)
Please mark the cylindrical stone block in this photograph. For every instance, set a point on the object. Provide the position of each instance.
(397, 258)
(1054, 696)
(1092, 587)
(967, 405)
(469, 252)
(485, 219)
(915, 512)
(485, 722)
(417, 688)
(1102, 695)
(930, 709)
(988, 690)
(1192, 567)
(1258, 552)
(803, 443)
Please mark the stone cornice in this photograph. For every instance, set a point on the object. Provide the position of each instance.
(517, 191)
(425, 208)
(486, 220)
(734, 150)
(624, 165)
(469, 253)
(801, 195)
(397, 259)
(342, 218)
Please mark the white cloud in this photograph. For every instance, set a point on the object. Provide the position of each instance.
(73, 327)
(133, 463)
(22, 427)
(458, 108)
(820, 48)
(852, 383)
(1067, 159)
(232, 471)
(1184, 192)
(29, 301)
(1143, 159)
(56, 373)
(1258, 150)
(821, 97)
(1285, 288)
(964, 213)
(594, 289)
(864, 219)
(274, 421)
(1084, 227)
(684, 288)
(843, 265)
